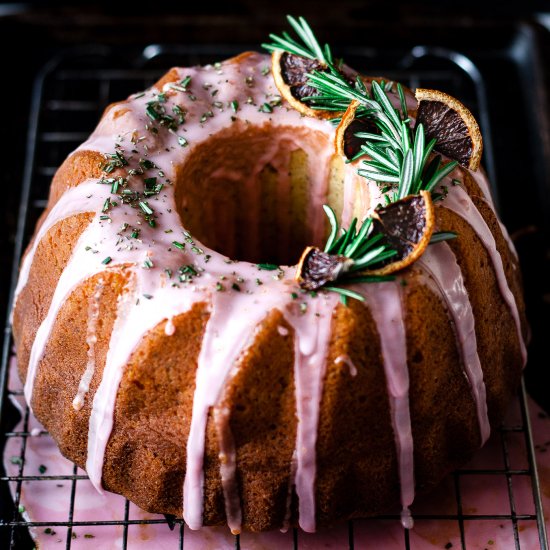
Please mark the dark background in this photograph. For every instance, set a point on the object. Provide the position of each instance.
(508, 41)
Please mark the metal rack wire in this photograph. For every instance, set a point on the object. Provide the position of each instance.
(69, 96)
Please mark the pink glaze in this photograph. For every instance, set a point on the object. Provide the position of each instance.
(169, 327)
(228, 469)
(460, 202)
(76, 200)
(91, 340)
(225, 340)
(505, 234)
(480, 177)
(352, 183)
(440, 264)
(385, 304)
(347, 361)
(312, 331)
(283, 331)
(78, 269)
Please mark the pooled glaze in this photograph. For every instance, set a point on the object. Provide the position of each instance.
(153, 294)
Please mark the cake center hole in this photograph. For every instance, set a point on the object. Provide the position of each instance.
(254, 194)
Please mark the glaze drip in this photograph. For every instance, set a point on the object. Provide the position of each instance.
(228, 469)
(76, 200)
(78, 269)
(347, 361)
(385, 303)
(460, 202)
(440, 264)
(312, 336)
(91, 340)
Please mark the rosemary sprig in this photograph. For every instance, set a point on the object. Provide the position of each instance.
(357, 244)
(309, 47)
(397, 155)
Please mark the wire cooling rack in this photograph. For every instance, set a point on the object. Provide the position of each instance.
(69, 95)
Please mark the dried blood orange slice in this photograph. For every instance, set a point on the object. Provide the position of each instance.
(346, 143)
(452, 125)
(406, 226)
(402, 231)
(316, 268)
(290, 73)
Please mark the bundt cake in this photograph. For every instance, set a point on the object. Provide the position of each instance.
(169, 348)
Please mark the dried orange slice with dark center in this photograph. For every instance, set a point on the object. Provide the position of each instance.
(452, 125)
(290, 73)
(346, 142)
(406, 226)
(317, 268)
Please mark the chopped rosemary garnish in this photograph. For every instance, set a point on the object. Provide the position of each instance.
(148, 263)
(267, 267)
(146, 164)
(115, 160)
(145, 208)
(189, 270)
